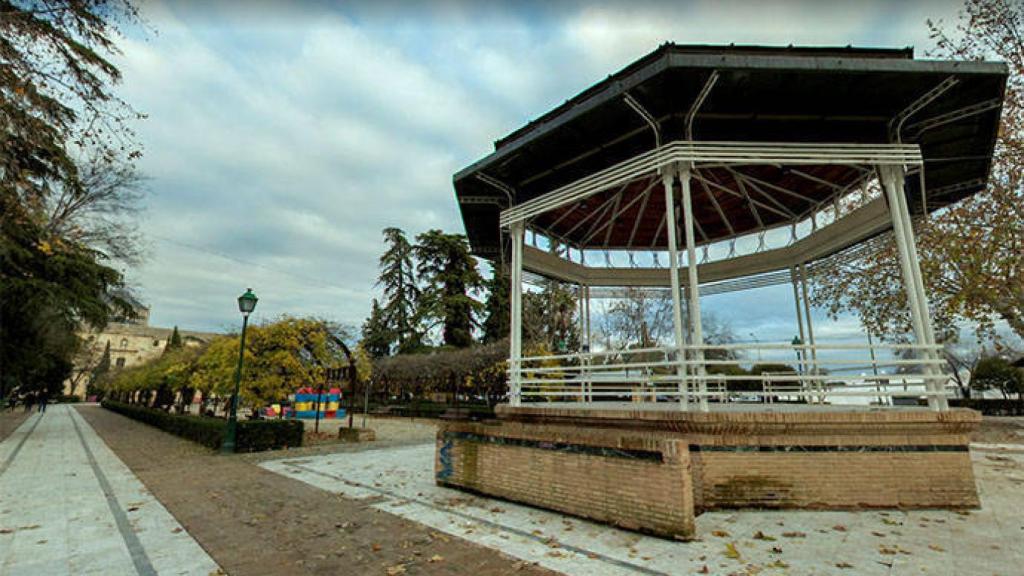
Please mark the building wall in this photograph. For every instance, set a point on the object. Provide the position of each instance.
(131, 344)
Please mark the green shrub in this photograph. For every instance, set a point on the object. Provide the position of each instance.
(252, 436)
(68, 398)
(260, 435)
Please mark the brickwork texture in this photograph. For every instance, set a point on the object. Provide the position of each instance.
(653, 471)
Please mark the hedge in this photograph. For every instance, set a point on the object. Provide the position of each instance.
(252, 435)
(424, 409)
(990, 406)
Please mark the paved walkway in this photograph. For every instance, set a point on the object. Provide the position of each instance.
(985, 542)
(68, 505)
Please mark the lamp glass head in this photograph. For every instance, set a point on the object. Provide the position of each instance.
(247, 302)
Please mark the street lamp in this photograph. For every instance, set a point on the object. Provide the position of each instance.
(246, 304)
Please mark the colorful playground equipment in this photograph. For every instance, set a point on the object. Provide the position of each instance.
(305, 404)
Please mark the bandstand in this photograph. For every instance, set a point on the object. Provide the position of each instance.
(702, 169)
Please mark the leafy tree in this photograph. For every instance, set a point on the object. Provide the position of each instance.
(496, 308)
(550, 317)
(994, 372)
(972, 253)
(60, 119)
(376, 336)
(401, 292)
(449, 274)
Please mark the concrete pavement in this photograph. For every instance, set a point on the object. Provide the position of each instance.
(68, 505)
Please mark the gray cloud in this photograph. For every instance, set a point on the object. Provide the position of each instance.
(288, 138)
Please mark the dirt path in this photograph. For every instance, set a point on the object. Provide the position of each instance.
(9, 421)
(252, 521)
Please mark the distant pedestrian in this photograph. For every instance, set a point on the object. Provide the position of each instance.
(43, 399)
(29, 400)
(12, 401)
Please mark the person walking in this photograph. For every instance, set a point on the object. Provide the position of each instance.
(29, 400)
(42, 400)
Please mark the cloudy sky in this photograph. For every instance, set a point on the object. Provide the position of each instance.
(282, 137)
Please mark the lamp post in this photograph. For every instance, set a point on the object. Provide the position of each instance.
(246, 304)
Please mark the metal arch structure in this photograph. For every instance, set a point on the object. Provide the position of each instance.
(835, 146)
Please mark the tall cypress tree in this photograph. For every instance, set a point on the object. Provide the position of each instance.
(174, 342)
(448, 272)
(401, 293)
(377, 338)
(496, 307)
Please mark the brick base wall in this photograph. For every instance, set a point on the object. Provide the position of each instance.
(586, 473)
(653, 471)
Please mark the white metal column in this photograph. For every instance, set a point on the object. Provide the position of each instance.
(801, 352)
(696, 328)
(892, 183)
(516, 296)
(815, 383)
(673, 269)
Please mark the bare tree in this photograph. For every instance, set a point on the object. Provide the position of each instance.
(102, 212)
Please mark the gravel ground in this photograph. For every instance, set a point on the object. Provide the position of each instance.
(9, 421)
(252, 521)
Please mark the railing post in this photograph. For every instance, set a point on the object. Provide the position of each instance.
(516, 324)
(667, 178)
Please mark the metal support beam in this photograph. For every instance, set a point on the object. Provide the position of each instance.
(799, 317)
(892, 181)
(668, 176)
(516, 324)
(810, 325)
(696, 328)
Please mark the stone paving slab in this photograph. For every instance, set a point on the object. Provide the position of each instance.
(981, 542)
(68, 505)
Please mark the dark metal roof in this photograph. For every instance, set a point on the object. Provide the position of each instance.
(765, 94)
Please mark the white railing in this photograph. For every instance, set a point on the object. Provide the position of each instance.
(819, 374)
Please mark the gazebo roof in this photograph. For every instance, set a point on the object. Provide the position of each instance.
(738, 94)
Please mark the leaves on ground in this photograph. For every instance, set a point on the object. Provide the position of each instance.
(794, 534)
(396, 569)
(839, 528)
(936, 548)
(731, 551)
(844, 565)
(720, 533)
(762, 536)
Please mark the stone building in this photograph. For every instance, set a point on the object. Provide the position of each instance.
(132, 342)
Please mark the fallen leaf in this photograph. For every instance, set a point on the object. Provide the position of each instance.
(936, 548)
(794, 535)
(891, 522)
(720, 533)
(839, 528)
(176, 530)
(396, 569)
(555, 554)
(879, 534)
(436, 558)
(704, 570)
(887, 550)
(778, 564)
(376, 548)
(843, 565)
(776, 550)
(731, 551)
(762, 536)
